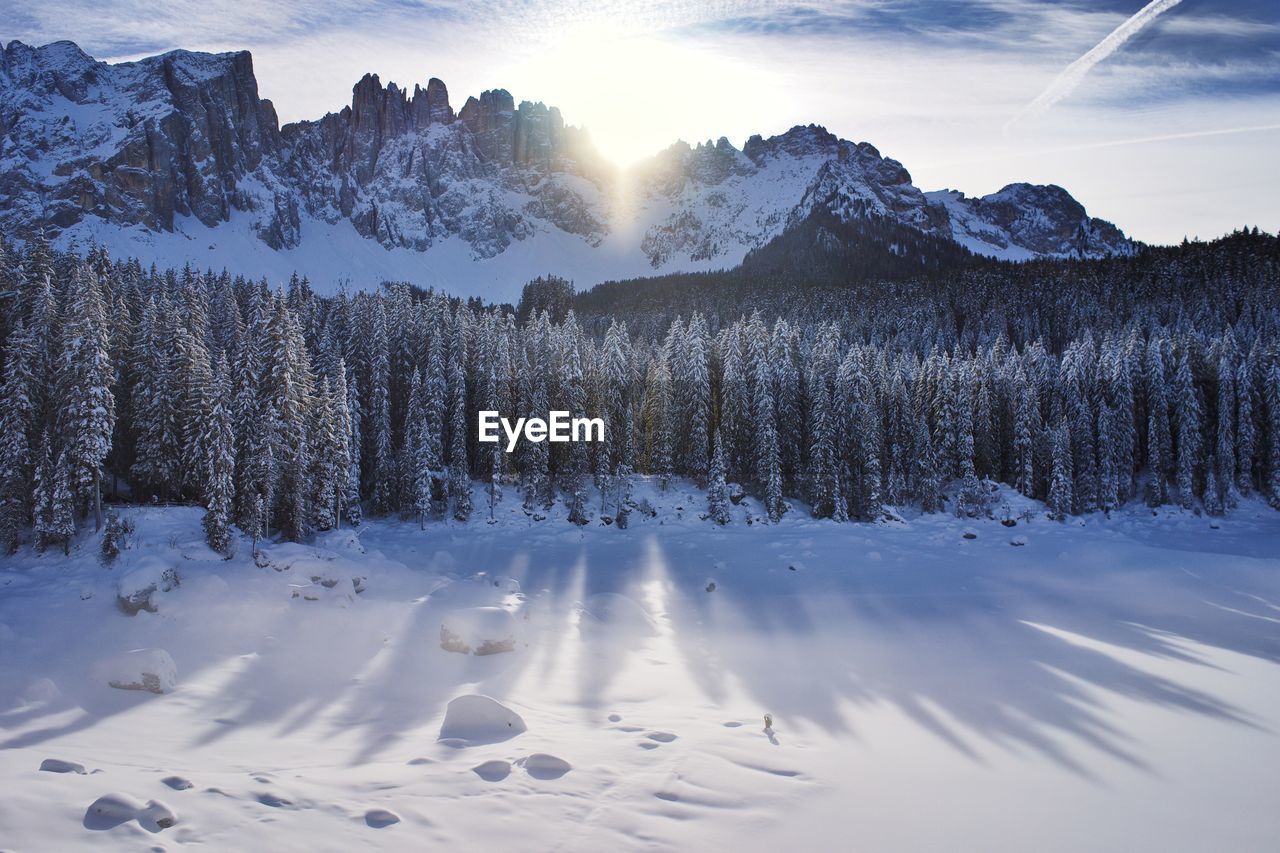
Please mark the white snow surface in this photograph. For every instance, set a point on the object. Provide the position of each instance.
(1113, 684)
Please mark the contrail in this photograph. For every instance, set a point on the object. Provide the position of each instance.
(1165, 137)
(1074, 73)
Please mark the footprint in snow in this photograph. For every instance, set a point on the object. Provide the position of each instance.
(272, 800)
(661, 737)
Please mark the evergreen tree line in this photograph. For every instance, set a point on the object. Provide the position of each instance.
(287, 412)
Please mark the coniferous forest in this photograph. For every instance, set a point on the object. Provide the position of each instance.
(1084, 384)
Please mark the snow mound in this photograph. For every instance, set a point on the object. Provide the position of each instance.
(112, 810)
(493, 771)
(41, 690)
(478, 630)
(142, 588)
(379, 818)
(478, 719)
(57, 765)
(540, 765)
(1018, 541)
(177, 783)
(609, 610)
(142, 669)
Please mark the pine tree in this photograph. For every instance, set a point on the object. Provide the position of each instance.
(789, 399)
(717, 488)
(1212, 494)
(342, 458)
(326, 459)
(191, 396)
(1109, 464)
(416, 450)
(1246, 435)
(1026, 423)
(694, 383)
(1061, 499)
(85, 375)
(380, 455)
(1159, 436)
(218, 442)
(768, 458)
(826, 483)
(1187, 407)
(459, 469)
(496, 457)
(157, 467)
(42, 494)
(352, 500)
(62, 524)
(1271, 397)
(928, 476)
(1225, 452)
(16, 461)
(536, 468)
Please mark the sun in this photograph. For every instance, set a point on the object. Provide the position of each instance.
(637, 94)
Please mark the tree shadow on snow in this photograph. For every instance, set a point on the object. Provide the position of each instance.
(972, 647)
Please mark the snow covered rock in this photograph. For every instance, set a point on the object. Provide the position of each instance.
(112, 810)
(152, 670)
(380, 818)
(540, 765)
(494, 770)
(57, 765)
(477, 719)
(142, 588)
(478, 630)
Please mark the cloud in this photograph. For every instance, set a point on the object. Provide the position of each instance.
(1074, 74)
(929, 82)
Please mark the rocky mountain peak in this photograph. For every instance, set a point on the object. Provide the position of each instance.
(172, 143)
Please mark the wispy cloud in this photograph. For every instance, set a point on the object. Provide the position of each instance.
(1074, 74)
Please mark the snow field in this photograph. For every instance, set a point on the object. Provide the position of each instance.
(926, 690)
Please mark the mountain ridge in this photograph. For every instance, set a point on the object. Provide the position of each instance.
(178, 157)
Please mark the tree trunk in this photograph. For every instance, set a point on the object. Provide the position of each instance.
(97, 500)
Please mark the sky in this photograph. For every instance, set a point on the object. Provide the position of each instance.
(1162, 116)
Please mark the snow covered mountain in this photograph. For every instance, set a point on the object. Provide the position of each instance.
(177, 158)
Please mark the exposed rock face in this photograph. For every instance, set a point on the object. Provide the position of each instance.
(405, 173)
(1042, 220)
(183, 134)
(149, 144)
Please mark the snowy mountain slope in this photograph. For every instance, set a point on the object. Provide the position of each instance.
(177, 158)
(1025, 221)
